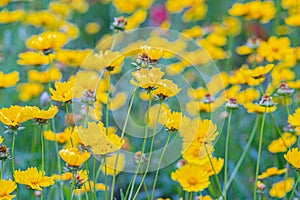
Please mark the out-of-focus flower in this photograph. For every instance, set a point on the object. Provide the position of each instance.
(293, 157)
(33, 178)
(63, 91)
(280, 189)
(89, 186)
(4, 2)
(110, 162)
(192, 178)
(294, 119)
(132, 5)
(283, 143)
(265, 105)
(73, 157)
(43, 18)
(29, 90)
(7, 187)
(11, 16)
(173, 121)
(92, 28)
(60, 8)
(136, 19)
(52, 74)
(73, 58)
(273, 171)
(147, 79)
(33, 59)
(9, 80)
(61, 137)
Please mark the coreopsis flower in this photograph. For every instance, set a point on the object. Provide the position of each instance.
(173, 121)
(265, 105)
(111, 61)
(147, 79)
(110, 162)
(66, 176)
(272, 171)
(117, 101)
(29, 90)
(47, 41)
(61, 137)
(136, 19)
(33, 178)
(293, 157)
(13, 116)
(52, 74)
(283, 143)
(154, 54)
(43, 19)
(275, 48)
(7, 187)
(280, 189)
(247, 95)
(41, 116)
(214, 166)
(196, 153)
(192, 178)
(60, 8)
(4, 2)
(294, 119)
(9, 80)
(89, 186)
(165, 89)
(258, 73)
(73, 157)
(63, 91)
(11, 16)
(32, 58)
(72, 58)
(99, 140)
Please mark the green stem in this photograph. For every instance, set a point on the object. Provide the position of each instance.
(13, 153)
(226, 152)
(295, 186)
(43, 148)
(94, 177)
(243, 156)
(72, 186)
(150, 151)
(159, 163)
(146, 191)
(121, 138)
(105, 179)
(259, 154)
(2, 169)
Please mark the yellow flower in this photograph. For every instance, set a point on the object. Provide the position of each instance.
(89, 186)
(98, 139)
(283, 143)
(272, 172)
(73, 58)
(147, 79)
(293, 157)
(52, 74)
(280, 189)
(294, 119)
(60, 8)
(118, 101)
(63, 91)
(13, 116)
(259, 72)
(132, 6)
(29, 90)
(194, 32)
(192, 178)
(73, 157)
(33, 178)
(41, 116)
(173, 120)
(110, 164)
(11, 16)
(256, 108)
(7, 187)
(92, 28)
(153, 53)
(165, 89)
(244, 50)
(63, 177)
(62, 137)
(162, 116)
(33, 58)
(47, 41)
(1, 139)
(207, 197)
(9, 80)
(4, 2)
(44, 19)
(195, 152)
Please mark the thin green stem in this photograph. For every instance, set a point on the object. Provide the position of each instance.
(226, 152)
(43, 148)
(121, 138)
(150, 152)
(94, 177)
(259, 154)
(146, 191)
(129, 186)
(2, 169)
(72, 186)
(159, 163)
(191, 196)
(295, 186)
(105, 179)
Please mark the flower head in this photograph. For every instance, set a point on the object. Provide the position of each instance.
(52, 74)
(63, 91)
(33, 178)
(147, 79)
(13, 116)
(41, 116)
(73, 157)
(165, 89)
(8, 80)
(293, 157)
(280, 189)
(7, 187)
(272, 171)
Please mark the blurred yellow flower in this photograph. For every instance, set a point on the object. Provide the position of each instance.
(118, 101)
(280, 189)
(256, 108)
(192, 178)
(294, 119)
(60, 8)
(44, 19)
(283, 143)
(89, 186)
(61, 137)
(33, 58)
(293, 157)
(4, 2)
(7, 187)
(33, 178)
(194, 32)
(110, 162)
(165, 89)
(11, 16)
(29, 90)
(66, 176)
(1, 139)
(98, 139)
(272, 171)
(136, 19)
(131, 5)
(52, 74)
(63, 91)
(92, 28)
(72, 58)
(47, 41)
(259, 71)
(9, 80)
(73, 157)
(147, 79)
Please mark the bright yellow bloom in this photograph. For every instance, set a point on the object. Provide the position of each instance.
(110, 164)
(272, 172)
(29, 90)
(7, 187)
(73, 58)
(41, 115)
(73, 157)
(52, 74)
(131, 5)
(63, 91)
(260, 71)
(66, 176)
(192, 178)
(118, 101)
(13, 116)
(92, 28)
(283, 143)
(44, 19)
(89, 186)
(195, 12)
(4, 2)
(60, 8)
(256, 108)
(49, 40)
(9, 80)
(153, 53)
(294, 119)
(293, 157)
(33, 178)
(98, 139)
(207, 197)
(33, 58)
(62, 137)
(165, 89)
(11, 16)
(194, 32)
(147, 79)
(1, 139)
(173, 121)
(280, 189)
